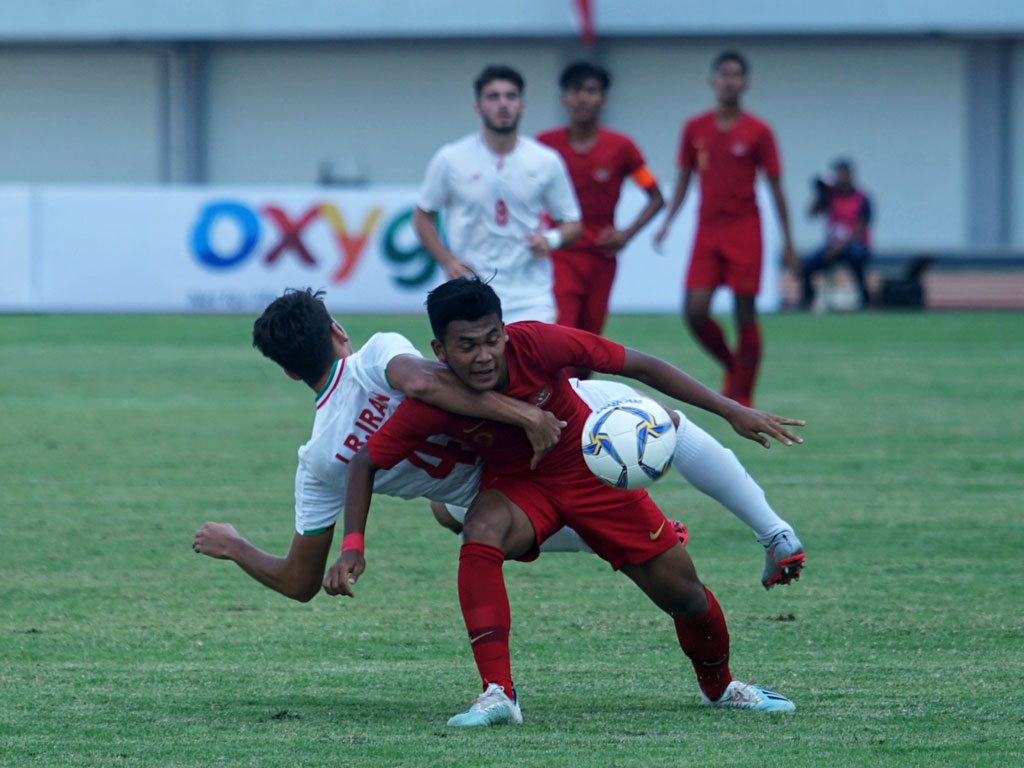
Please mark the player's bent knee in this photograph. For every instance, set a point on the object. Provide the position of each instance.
(690, 602)
(488, 520)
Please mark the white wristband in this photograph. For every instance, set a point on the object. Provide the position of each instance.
(553, 237)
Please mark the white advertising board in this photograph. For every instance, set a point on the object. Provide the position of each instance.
(233, 249)
(15, 249)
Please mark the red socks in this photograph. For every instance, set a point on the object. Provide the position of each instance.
(705, 640)
(485, 610)
(747, 362)
(742, 366)
(709, 334)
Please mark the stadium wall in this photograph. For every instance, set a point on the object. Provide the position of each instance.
(372, 112)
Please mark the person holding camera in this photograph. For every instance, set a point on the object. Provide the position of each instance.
(847, 232)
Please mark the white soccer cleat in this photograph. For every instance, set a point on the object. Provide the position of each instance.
(493, 707)
(748, 696)
(783, 559)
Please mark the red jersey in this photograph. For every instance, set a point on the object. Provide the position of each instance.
(727, 161)
(597, 177)
(537, 355)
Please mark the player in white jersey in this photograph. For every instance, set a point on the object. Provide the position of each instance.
(492, 187)
(358, 390)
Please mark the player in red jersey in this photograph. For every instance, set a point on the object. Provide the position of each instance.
(517, 509)
(599, 161)
(727, 146)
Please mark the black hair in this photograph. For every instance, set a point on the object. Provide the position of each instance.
(574, 75)
(295, 332)
(843, 163)
(725, 56)
(464, 298)
(498, 72)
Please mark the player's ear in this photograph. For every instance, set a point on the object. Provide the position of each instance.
(438, 348)
(337, 332)
(292, 375)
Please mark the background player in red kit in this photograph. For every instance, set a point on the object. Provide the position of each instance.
(517, 509)
(727, 146)
(599, 161)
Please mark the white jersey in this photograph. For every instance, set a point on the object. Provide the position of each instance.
(355, 402)
(490, 203)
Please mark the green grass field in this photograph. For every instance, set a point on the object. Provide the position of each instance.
(903, 644)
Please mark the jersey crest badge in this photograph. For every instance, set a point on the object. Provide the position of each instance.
(541, 396)
(739, 149)
(602, 174)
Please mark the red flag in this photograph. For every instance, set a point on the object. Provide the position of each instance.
(586, 18)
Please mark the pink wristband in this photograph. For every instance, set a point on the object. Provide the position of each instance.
(352, 541)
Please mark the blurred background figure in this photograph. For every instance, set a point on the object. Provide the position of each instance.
(599, 162)
(847, 211)
(726, 147)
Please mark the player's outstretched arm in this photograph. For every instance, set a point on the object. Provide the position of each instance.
(296, 575)
(750, 423)
(358, 493)
(435, 384)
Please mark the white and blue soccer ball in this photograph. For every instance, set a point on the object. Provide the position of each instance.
(629, 442)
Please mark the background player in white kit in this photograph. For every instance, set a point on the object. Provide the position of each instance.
(358, 390)
(492, 187)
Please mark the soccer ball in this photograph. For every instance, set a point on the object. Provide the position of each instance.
(629, 442)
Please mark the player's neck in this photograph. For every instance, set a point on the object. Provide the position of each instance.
(727, 114)
(582, 136)
(500, 143)
(318, 385)
(341, 351)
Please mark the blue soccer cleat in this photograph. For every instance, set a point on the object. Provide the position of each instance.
(492, 707)
(748, 696)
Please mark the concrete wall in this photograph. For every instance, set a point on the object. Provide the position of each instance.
(380, 110)
(80, 114)
(273, 112)
(894, 106)
(373, 109)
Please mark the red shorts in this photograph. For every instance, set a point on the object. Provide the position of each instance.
(583, 283)
(727, 254)
(622, 527)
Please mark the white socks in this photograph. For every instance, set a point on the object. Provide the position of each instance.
(714, 470)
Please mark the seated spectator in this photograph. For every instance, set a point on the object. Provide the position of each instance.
(847, 238)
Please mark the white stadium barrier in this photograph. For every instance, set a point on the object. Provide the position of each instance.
(233, 249)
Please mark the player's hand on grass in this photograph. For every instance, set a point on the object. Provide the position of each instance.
(213, 539)
(543, 432)
(756, 425)
(346, 571)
